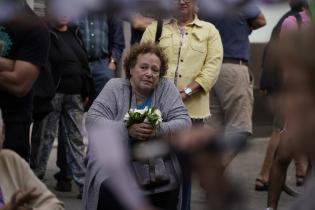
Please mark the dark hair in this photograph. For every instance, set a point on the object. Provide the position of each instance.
(140, 49)
(298, 5)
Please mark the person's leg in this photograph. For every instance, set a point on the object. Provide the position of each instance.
(47, 132)
(217, 116)
(233, 144)
(208, 174)
(17, 138)
(278, 125)
(72, 116)
(234, 90)
(263, 176)
(64, 176)
(278, 171)
(35, 142)
(101, 74)
(301, 166)
(203, 169)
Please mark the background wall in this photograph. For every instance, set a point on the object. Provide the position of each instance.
(272, 14)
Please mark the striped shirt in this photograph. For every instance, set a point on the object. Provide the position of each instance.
(95, 35)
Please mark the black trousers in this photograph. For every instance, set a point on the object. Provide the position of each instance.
(17, 138)
(164, 201)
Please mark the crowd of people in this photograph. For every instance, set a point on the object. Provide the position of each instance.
(171, 125)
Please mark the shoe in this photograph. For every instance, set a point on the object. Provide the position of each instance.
(63, 186)
(261, 185)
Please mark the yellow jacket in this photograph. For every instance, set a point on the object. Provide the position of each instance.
(200, 59)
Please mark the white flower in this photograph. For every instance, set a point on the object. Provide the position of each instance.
(127, 117)
(146, 113)
(158, 113)
(141, 111)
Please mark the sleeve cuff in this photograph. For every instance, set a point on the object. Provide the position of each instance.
(206, 88)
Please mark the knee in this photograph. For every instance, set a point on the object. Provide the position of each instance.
(283, 160)
(237, 140)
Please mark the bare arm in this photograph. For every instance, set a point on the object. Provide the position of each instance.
(6, 64)
(20, 80)
(258, 22)
(140, 22)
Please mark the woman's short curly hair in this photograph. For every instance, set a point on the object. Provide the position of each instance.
(144, 48)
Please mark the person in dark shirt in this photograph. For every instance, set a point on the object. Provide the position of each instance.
(24, 43)
(270, 85)
(103, 38)
(138, 25)
(232, 96)
(68, 56)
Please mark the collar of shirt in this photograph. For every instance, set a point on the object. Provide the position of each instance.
(196, 22)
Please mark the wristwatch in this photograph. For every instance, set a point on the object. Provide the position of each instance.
(188, 91)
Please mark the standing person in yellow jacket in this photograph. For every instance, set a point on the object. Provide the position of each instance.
(195, 52)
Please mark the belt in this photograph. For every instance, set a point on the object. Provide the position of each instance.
(235, 61)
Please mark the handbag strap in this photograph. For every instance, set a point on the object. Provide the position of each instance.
(158, 31)
(298, 19)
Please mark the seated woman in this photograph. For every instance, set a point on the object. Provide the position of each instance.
(20, 189)
(110, 183)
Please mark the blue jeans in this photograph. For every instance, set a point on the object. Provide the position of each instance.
(101, 73)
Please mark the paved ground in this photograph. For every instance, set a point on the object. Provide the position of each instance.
(245, 167)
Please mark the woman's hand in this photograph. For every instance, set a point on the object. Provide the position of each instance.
(184, 96)
(85, 102)
(182, 93)
(20, 200)
(112, 66)
(142, 131)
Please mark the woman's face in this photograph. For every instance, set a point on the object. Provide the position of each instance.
(184, 8)
(146, 73)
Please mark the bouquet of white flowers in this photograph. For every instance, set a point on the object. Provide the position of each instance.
(147, 156)
(152, 116)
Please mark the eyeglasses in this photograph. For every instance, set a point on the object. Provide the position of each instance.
(185, 1)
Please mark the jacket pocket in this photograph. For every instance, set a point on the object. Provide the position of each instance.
(199, 47)
(166, 41)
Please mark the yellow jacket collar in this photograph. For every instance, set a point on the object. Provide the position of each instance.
(196, 21)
